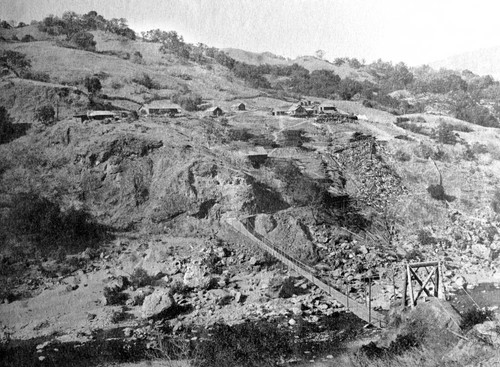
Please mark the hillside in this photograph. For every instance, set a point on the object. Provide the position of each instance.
(311, 63)
(483, 62)
(116, 242)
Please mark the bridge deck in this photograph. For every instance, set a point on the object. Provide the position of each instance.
(363, 312)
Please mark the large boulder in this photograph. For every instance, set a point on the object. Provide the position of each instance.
(160, 303)
(281, 287)
(198, 275)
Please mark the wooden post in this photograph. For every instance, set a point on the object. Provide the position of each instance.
(410, 286)
(370, 301)
(347, 296)
(405, 287)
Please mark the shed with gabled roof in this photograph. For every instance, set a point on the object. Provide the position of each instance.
(161, 107)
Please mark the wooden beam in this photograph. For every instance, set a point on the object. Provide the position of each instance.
(423, 264)
(408, 270)
(419, 281)
(429, 277)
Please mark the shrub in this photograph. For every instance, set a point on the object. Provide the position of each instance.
(93, 84)
(115, 84)
(41, 222)
(140, 278)
(475, 316)
(243, 345)
(444, 134)
(45, 114)
(36, 75)
(189, 102)
(114, 296)
(6, 126)
(146, 81)
(402, 156)
(84, 41)
(425, 238)
(424, 151)
(28, 38)
(15, 38)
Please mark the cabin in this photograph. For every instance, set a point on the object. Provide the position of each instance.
(279, 112)
(297, 110)
(327, 107)
(215, 111)
(97, 115)
(161, 108)
(239, 107)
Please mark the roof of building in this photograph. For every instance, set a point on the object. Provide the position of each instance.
(212, 109)
(327, 104)
(101, 113)
(253, 151)
(239, 104)
(295, 107)
(165, 104)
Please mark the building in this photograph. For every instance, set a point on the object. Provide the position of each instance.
(239, 106)
(158, 108)
(279, 112)
(326, 107)
(297, 110)
(215, 111)
(97, 115)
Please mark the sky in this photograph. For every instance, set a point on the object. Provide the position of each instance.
(415, 32)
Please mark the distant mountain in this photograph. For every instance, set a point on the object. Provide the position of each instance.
(311, 63)
(483, 62)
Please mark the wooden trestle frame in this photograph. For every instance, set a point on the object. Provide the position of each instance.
(414, 275)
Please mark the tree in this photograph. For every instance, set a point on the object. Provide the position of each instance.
(6, 126)
(45, 114)
(320, 54)
(14, 61)
(84, 41)
(93, 84)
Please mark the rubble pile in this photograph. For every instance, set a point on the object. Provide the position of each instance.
(339, 118)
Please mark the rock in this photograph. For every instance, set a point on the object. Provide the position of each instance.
(280, 287)
(220, 296)
(460, 281)
(118, 283)
(159, 304)
(237, 297)
(292, 322)
(489, 330)
(128, 332)
(197, 275)
(481, 251)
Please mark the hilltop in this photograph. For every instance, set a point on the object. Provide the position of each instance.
(115, 234)
(483, 62)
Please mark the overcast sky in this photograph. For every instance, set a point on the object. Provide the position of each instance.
(415, 32)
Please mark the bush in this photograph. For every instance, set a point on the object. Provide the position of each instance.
(243, 345)
(36, 75)
(6, 126)
(425, 238)
(28, 38)
(114, 296)
(402, 156)
(444, 134)
(140, 278)
(475, 316)
(45, 114)
(93, 84)
(189, 102)
(41, 222)
(146, 81)
(84, 41)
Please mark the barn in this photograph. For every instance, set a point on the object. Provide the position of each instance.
(239, 107)
(215, 111)
(297, 110)
(161, 108)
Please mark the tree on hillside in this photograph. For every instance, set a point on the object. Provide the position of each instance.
(14, 61)
(320, 54)
(45, 114)
(93, 84)
(84, 41)
(6, 126)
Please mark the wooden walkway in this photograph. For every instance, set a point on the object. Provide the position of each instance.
(363, 312)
